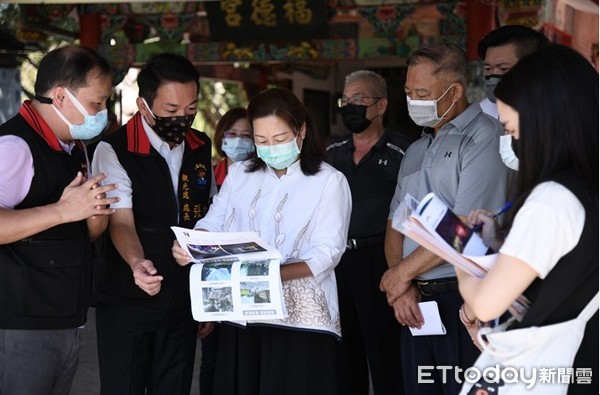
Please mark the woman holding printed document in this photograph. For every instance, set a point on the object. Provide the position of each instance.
(300, 205)
(548, 104)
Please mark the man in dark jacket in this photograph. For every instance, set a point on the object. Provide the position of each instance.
(49, 213)
(370, 158)
(146, 333)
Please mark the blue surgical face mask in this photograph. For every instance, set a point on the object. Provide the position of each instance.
(92, 125)
(237, 148)
(279, 156)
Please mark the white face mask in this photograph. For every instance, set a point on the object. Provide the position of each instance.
(424, 112)
(506, 152)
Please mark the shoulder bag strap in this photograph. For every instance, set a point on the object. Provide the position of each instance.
(590, 309)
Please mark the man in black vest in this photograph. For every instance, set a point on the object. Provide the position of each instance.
(146, 333)
(49, 213)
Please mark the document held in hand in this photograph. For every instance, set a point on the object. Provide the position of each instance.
(434, 226)
(235, 276)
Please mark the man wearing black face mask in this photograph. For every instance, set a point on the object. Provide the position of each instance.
(500, 50)
(370, 158)
(146, 334)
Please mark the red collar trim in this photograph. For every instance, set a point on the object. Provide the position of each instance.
(138, 142)
(35, 120)
(193, 140)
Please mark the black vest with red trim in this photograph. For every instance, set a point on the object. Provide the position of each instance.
(155, 210)
(45, 279)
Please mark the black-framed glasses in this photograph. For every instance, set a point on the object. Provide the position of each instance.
(356, 99)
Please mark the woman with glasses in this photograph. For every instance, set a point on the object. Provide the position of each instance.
(233, 141)
(300, 205)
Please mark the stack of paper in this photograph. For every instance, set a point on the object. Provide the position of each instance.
(434, 226)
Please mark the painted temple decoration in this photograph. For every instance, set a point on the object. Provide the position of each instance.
(301, 30)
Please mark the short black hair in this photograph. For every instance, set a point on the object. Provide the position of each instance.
(165, 67)
(525, 39)
(69, 66)
(283, 104)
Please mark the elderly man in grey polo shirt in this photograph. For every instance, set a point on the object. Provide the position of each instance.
(457, 158)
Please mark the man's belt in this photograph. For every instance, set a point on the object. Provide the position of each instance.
(438, 286)
(355, 244)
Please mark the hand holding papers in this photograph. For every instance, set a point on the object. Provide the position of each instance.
(433, 322)
(435, 227)
(236, 277)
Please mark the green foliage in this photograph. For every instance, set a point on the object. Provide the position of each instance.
(9, 17)
(215, 99)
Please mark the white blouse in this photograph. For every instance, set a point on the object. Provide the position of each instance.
(546, 228)
(304, 217)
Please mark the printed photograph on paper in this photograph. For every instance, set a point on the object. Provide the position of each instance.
(254, 292)
(217, 299)
(255, 268)
(200, 252)
(203, 251)
(235, 276)
(216, 272)
(454, 231)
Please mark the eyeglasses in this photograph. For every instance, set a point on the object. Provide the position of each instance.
(233, 133)
(356, 100)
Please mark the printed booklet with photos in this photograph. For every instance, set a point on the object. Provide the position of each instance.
(434, 226)
(235, 276)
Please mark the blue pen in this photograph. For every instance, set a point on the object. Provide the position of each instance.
(507, 206)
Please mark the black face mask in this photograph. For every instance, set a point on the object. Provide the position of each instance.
(514, 144)
(172, 129)
(491, 81)
(355, 118)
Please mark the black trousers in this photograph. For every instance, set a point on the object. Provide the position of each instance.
(145, 351)
(209, 360)
(422, 355)
(263, 360)
(370, 332)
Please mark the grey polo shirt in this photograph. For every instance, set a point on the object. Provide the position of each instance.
(461, 165)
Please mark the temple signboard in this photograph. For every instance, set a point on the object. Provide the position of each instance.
(237, 20)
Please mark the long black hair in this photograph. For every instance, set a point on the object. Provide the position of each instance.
(283, 104)
(555, 92)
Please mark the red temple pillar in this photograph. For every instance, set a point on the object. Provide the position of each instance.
(480, 21)
(89, 30)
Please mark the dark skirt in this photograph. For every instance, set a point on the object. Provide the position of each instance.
(265, 360)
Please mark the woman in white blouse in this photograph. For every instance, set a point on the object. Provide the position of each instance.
(300, 205)
(548, 104)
